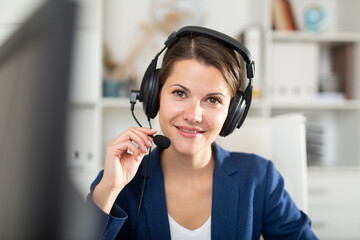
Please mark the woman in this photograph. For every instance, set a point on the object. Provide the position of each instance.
(194, 189)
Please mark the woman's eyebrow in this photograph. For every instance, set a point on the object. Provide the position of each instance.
(181, 86)
(215, 93)
(188, 90)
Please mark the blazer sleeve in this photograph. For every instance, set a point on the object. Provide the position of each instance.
(282, 219)
(109, 224)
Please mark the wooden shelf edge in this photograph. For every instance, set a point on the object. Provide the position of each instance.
(314, 37)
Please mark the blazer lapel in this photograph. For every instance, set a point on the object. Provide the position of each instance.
(154, 202)
(225, 206)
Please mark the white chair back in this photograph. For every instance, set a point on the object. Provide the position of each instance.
(280, 139)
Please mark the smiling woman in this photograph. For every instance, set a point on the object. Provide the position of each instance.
(194, 189)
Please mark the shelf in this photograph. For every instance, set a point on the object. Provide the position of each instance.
(123, 103)
(318, 104)
(314, 37)
(257, 103)
(115, 102)
(82, 104)
(334, 170)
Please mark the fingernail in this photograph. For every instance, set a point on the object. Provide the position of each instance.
(145, 149)
(150, 143)
(130, 152)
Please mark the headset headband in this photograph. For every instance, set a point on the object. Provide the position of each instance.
(218, 36)
(224, 39)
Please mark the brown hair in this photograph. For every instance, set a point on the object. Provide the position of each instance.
(206, 51)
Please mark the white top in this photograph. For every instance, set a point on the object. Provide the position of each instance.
(178, 232)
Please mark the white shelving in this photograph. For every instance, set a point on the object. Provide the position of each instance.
(116, 103)
(318, 105)
(84, 131)
(341, 112)
(334, 198)
(333, 135)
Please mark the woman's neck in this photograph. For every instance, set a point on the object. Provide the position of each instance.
(182, 166)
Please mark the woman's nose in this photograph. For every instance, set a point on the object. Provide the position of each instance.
(193, 112)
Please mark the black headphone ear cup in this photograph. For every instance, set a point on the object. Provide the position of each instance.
(235, 114)
(150, 92)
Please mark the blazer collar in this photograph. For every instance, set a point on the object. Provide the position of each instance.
(224, 160)
(154, 202)
(225, 205)
(225, 210)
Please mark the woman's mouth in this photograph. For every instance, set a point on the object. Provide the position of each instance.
(189, 132)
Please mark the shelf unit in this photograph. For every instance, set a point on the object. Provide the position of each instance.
(342, 113)
(332, 124)
(334, 198)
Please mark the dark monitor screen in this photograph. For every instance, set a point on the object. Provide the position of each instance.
(36, 199)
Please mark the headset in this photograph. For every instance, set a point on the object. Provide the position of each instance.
(240, 103)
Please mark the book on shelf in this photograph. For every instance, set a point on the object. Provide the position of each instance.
(282, 15)
(343, 61)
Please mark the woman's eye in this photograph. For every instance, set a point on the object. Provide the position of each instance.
(179, 93)
(213, 100)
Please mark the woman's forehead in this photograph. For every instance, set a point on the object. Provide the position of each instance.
(197, 76)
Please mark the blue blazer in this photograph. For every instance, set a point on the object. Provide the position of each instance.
(249, 200)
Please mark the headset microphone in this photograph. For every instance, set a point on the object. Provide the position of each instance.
(161, 141)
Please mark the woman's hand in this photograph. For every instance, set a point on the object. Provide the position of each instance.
(122, 161)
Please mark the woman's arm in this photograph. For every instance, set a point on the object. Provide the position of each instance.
(282, 219)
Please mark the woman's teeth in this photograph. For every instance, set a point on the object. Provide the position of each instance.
(189, 131)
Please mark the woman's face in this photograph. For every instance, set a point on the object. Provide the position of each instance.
(194, 103)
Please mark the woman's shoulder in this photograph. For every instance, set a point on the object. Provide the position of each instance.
(247, 163)
(240, 157)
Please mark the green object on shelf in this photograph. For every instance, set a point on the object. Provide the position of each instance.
(114, 88)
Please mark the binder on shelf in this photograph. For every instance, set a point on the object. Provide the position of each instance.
(283, 17)
(294, 71)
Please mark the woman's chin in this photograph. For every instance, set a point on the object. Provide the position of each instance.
(187, 148)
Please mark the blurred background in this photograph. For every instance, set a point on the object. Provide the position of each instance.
(306, 53)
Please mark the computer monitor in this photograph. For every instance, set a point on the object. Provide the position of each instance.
(37, 200)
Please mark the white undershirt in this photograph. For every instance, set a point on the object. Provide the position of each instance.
(178, 232)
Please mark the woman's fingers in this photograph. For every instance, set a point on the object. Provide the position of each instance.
(134, 140)
(134, 150)
(140, 136)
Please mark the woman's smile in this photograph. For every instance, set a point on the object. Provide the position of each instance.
(189, 132)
